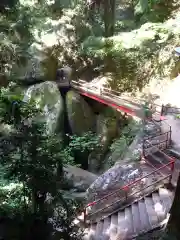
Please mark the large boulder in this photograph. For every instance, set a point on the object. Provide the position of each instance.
(113, 181)
(78, 178)
(48, 98)
(80, 114)
(122, 184)
(107, 129)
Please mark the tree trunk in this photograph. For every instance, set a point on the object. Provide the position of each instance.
(172, 229)
(109, 17)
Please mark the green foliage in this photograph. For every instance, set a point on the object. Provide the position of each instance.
(17, 27)
(33, 159)
(88, 142)
(120, 146)
(152, 10)
(122, 64)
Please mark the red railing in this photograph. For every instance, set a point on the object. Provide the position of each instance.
(160, 141)
(128, 191)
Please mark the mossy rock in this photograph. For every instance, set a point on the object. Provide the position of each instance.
(80, 114)
(48, 98)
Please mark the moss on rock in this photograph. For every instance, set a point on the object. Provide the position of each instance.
(80, 114)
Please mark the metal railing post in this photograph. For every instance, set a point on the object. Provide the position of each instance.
(85, 215)
(162, 109)
(170, 135)
(172, 169)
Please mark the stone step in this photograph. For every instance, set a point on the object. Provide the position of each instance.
(122, 228)
(158, 206)
(99, 230)
(106, 226)
(158, 162)
(129, 221)
(153, 219)
(141, 216)
(113, 226)
(144, 219)
(136, 217)
(163, 158)
(167, 198)
(173, 152)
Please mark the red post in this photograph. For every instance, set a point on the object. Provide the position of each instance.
(126, 188)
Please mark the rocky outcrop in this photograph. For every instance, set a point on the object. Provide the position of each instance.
(49, 100)
(107, 128)
(80, 114)
(79, 179)
(113, 179)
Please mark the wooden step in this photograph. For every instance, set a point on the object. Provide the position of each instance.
(136, 218)
(144, 218)
(153, 219)
(158, 206)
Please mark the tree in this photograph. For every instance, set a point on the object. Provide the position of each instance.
(32, 157)
(108, 17)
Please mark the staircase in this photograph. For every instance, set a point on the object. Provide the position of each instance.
(137, 218)
(130, 216)
(143, 204)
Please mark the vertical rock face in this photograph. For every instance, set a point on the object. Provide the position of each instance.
(80, 114)
(79, 178)
(107, 128)
(48, 98)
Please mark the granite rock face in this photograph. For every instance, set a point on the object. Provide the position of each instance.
(48, 99)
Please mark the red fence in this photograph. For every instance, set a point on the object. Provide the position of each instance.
(160, 141)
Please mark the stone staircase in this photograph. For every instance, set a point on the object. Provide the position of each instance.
(150, 209)
(130, 216)
(139, 217)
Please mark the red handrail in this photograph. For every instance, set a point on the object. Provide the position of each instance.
(127, 187)
(132, 183)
